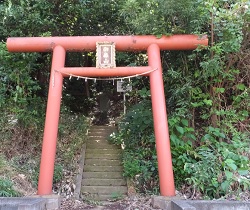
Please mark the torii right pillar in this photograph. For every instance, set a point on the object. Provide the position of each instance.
(162, 137)
(163, 149)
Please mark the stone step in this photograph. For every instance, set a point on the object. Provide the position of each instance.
(102, 197)
(108, 190)
(104, 182)
(102, 162)
(101, 129)
(102, 126)
(100, 133)
(102, 175)
(88, 168)
(103, 156)
(98, 141)
(104, 151)
(101, 146)
(97, 137)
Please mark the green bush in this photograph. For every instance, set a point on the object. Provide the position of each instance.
(220, 167)
(213, 166)
(139, 157)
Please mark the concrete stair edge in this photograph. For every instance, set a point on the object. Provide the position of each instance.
(111, 175)
(98, 168)
(104, 182)
(104, 189)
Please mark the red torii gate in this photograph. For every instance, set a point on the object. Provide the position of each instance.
(59, 46)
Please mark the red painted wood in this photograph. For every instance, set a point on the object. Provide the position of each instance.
(88, 43)
(59, 46)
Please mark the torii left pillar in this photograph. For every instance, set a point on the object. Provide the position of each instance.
(59, 46)
(51, 123)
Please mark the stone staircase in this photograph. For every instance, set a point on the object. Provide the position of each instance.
(102, 171)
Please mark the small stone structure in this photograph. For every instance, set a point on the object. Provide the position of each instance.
(177, 203)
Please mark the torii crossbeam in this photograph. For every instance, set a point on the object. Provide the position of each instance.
(59, 46)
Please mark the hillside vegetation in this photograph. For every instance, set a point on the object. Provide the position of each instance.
(207, 92)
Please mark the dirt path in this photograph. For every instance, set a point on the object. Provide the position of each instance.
(129, 203)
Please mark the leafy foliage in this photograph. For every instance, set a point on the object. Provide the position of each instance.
(160, 17)
(139, 159)
(220, 167)
(207, 94)
(207, 90)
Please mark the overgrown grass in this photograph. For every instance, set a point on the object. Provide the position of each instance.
(7, 188)
(6, 185)
(72, 136)
(22, 147)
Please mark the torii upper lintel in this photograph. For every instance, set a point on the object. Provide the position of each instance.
(88, 43)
